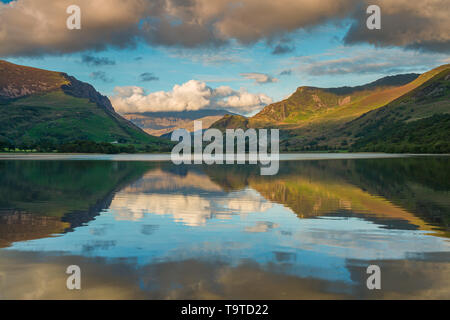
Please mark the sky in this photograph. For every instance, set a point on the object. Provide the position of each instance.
(238, 55)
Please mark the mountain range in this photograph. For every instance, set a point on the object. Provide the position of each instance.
(46, 109)
(401, 113)
(163, 123)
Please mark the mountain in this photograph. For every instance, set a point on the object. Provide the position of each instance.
(309, 103)
(325, 118)
(419, 121)
(163, 123)
(230, 121)
(47, 108)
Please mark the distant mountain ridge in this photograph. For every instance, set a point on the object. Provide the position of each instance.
(419, 121)
(308, 102)
(41, 107)
(19, 81)
(163, 123)
(388, 81)
(319, 118)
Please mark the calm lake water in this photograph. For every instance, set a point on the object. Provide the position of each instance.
(152, 230)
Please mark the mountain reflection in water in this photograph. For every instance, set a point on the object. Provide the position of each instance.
(159, 231)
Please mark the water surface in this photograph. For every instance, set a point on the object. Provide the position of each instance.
(152, 230)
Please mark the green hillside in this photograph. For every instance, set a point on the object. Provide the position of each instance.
(43, 110)
(310, 104)
(419, 121)
(390, 114)
(231, 122)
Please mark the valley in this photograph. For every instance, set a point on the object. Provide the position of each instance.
(349, 118)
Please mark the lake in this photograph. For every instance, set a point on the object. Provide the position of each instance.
(140, 227)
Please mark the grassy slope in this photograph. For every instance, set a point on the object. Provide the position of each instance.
(310, 106)
(318, 119)
(35, 107)
(231, 122)
(331, 129)
(56, 115)
(419, 121)
(17, 81)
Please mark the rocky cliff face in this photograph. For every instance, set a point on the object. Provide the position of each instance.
(48, 108)
(84, 90)
(80, 89)
(20, 81)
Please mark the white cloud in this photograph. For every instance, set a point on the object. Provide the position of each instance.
(244, 99)
(259, 77)
(223, 91)
(191, 95)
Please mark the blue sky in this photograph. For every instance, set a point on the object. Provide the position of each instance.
(315, 56)
(177, 65)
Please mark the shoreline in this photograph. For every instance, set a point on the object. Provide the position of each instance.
(167, 156)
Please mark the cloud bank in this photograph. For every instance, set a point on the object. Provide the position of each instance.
(369, 61)
(191, 95)
(37, 27)
(421, 25)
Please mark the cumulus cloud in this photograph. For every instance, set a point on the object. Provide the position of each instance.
(191, 95)
(36, 27)
(245, 101)
(259, 77)
(148, 76)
